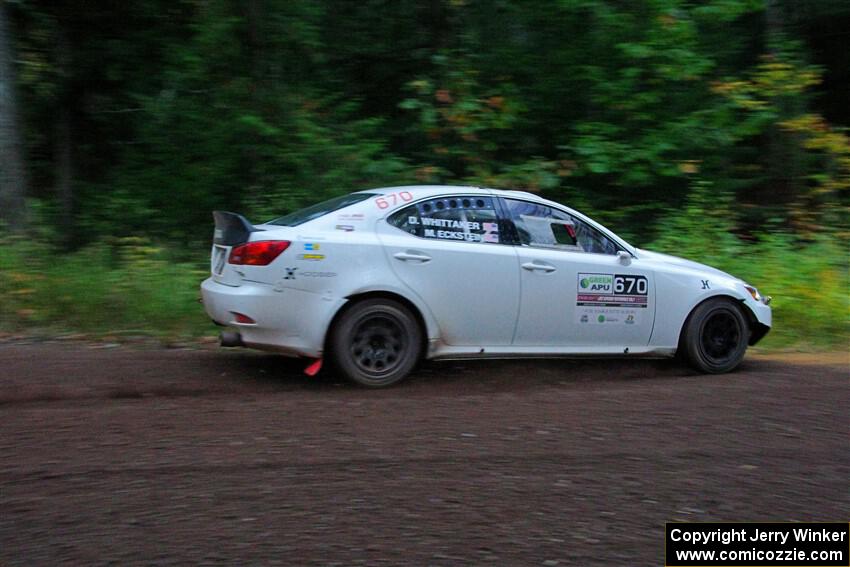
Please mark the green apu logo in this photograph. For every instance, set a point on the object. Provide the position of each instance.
(596, 283)
(601, 318)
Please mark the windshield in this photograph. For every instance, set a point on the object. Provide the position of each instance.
(320, 209)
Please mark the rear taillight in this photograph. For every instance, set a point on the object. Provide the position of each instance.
(257, 253)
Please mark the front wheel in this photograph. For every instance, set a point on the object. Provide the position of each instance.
(376, 342)
(715, 336)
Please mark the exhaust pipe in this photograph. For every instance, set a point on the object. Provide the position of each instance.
(230, 339)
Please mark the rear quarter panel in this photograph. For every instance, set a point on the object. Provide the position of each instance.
(335, 257)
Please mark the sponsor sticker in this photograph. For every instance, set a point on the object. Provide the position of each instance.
(312, 246)
(595, 283)
(312, 257)
(612, 290)
(607, 316)
(345, 227)
(491, 232)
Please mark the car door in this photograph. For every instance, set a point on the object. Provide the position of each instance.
(575, 290)
(449, 251)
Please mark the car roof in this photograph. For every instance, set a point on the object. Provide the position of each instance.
(419, 191)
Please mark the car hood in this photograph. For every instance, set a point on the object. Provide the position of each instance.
(676, 261)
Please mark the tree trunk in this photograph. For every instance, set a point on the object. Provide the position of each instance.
(64, 174)
(773, 24)
(12, 171)
(255, 14)
(63, 157)
(784, 153)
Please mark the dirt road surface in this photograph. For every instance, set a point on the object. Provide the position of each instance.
(219, 457)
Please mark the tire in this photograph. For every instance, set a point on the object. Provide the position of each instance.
(376, 342)
(715, 336)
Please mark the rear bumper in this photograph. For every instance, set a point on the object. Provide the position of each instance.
(289, 321)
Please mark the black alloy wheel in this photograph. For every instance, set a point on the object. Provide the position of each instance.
(716, 336)
(376, 342)
(721, 334)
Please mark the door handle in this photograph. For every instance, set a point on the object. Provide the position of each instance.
(538, 267)
(411, 257)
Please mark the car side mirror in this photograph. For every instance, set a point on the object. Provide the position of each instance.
(624, 257)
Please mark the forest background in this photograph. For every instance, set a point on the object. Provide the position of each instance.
(711, 129)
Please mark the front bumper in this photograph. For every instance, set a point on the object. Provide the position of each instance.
(290, 321)
(763, 316)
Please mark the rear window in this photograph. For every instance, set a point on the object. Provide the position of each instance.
(320, 209)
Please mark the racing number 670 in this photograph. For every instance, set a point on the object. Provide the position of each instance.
(384, 202)
(630, 285)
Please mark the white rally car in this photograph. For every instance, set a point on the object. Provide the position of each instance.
(377, 280)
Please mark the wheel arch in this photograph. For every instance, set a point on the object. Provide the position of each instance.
(355, 298)
(756, 329)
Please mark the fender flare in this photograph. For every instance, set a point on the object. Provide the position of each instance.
(723, 293)
(426, 319)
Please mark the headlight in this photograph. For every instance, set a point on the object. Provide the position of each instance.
(757, 296)
(754, 292)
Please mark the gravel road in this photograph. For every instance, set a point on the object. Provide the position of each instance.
(179, 457)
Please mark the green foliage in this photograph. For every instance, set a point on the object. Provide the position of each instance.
(462, 122)
(807, 280)
(324, 161)
(810, 161)
(262, 106)
(124, 287)
(621, 109)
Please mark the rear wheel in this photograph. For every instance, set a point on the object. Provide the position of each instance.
(716, 336)
(376, 342)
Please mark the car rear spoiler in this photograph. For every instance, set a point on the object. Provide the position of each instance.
(231, 228)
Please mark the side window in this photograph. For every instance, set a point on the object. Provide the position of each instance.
(591, 240)
(407, 219)
(463, 219)
(540, 225)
